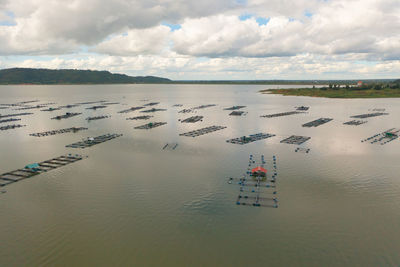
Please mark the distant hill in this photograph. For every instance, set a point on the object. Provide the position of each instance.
(70, 76)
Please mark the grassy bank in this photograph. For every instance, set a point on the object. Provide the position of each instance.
(335, 93)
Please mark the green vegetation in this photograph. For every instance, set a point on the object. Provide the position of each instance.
(68, 76)
(368, 90)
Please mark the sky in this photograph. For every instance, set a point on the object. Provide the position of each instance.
(206, 39)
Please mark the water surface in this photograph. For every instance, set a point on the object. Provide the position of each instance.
(132, 203)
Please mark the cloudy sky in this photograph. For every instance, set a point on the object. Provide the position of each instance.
(206, 39)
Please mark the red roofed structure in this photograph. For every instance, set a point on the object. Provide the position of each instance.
(259, 171)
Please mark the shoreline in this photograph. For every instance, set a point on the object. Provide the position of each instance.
(335, 93)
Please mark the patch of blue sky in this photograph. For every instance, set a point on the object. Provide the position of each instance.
(173, 27)
(365, 63)
(241, 2)
(308, 14)
(202, 59)
(7, 23)
(245, 17)
(10, 20)
(262, 21)
(259, 20)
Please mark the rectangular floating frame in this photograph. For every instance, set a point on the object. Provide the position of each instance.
(170, 146)
(203, 131)
(192, 119)
(295, 140)
(317, 122)
(11, 127)
(9, 120)
(94, 141)
(97, 118)
(237, 113)
(97, 107)
(281, 114)
(153, 110)
(44, 166)
(249, 139)
(150, 125)
(151, 104)
(354, 122)
(235, 108)
(66, 116)
(15, 115)
(130, 109)
(204, 106)
(384, 137)
(60, 131)
(257, 190)
(50, 109)
(186, 110)
(369, 115)
(145, 117)
(91, 102)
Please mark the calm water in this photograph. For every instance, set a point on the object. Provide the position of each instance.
(130, 203)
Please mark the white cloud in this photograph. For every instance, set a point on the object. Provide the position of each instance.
(302, 37)
(136, 42)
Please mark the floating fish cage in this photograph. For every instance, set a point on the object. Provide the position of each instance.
(130, 109)
(146, 117)
(11, 126)
(150, 125)
(19, 103)
(317, 122)
(153, 110)
(66, 115)
(302, 150)
(204, 106)
(235, 108)
(295, 140)
(354, 122)
(203, 131)
(98, 117)
(31, 107)
(302, 108)
(151, 104)
(15, 115)
(369, 115)
(177, 105)
(192, 119)
(91, 141)
(237, 113)
(281, 114)
(384, 137)
(186, 111)
(249, 139)
(97, 107)
(37, 168)
(50, 109)
(9, 120)
(170, 146)
(70, 106)
(91, 102)
(257, 186)
(60, 131)
(110, 103)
